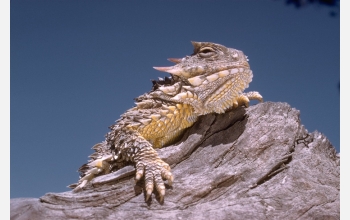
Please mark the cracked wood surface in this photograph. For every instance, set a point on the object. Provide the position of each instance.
(254, 163)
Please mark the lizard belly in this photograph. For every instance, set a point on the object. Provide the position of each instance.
(169, 126)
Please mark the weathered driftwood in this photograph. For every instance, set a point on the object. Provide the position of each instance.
(254, 163)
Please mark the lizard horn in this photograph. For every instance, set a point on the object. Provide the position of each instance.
(173, 70)
(175, 60)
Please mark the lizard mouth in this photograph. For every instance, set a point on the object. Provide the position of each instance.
(228, 73)
(200, 70)
(200, 80)
(167, 81)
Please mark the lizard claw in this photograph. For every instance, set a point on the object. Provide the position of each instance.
(154, 172)
(139, 173)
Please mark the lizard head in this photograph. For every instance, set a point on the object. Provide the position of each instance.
(207, 58)
(210, 79)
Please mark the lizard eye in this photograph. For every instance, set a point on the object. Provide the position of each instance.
(206, 52)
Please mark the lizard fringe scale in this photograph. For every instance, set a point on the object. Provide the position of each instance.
(210, 80)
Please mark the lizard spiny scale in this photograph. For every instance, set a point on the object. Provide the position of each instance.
(211, 80)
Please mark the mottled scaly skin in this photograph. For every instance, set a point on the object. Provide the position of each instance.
(211, 80)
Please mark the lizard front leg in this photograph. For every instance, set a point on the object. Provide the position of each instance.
(147, 162)
(244, 98)
(154, 169)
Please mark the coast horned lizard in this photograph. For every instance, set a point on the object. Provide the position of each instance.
(210, 80)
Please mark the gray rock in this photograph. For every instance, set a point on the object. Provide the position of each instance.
(254, 163)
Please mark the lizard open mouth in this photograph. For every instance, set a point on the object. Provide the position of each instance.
(167, 81)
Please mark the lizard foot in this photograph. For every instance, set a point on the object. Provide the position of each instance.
(244, 98)
(154, 170)
(253, 95)
(90, 171)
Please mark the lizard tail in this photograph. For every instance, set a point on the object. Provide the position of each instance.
(98, 164)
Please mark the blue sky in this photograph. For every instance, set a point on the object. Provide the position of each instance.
(77, 65)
